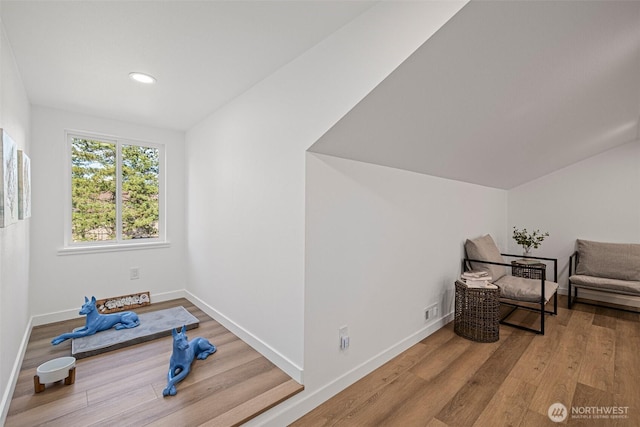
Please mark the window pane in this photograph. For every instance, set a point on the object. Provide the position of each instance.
(140, 192)
(93, 190)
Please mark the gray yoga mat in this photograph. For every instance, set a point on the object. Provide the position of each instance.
(154, 324)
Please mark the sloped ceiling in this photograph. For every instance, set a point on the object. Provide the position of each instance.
(504, 93)
(76, 55)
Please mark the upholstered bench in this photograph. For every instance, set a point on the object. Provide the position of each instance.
(604, 267)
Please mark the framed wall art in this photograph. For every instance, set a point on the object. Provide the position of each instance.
(9, 185)
(24, 185)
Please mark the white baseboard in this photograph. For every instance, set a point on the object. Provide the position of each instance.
(13, 378)
(260, 346)
(58, 316)
(168, 296)
(302, 403)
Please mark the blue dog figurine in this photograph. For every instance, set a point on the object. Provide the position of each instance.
(184, 351)
(97, 322)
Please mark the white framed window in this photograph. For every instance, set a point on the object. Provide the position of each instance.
(115, 193)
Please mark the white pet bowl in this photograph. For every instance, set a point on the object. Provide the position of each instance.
(55, 369)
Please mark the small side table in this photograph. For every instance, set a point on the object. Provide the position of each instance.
(477, 315)
(519, 268)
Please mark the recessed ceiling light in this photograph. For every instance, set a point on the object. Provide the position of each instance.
(142, 77)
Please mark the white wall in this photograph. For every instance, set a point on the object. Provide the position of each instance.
(382, 245)
(59, 282)
(14, 240)
(595, 199)
(246, 202)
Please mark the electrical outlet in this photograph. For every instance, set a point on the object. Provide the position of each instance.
(134, 273)
(431, 312)
(343, 333)
(344, 343)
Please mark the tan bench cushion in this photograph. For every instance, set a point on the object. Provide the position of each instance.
(624, 286)
(485, 249)
(609, 260)
(521, 289)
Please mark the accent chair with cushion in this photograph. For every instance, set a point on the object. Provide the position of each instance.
(517, 292)
(612, 268)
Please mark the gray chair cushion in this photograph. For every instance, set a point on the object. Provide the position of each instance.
(521, 289)
(623, 286)
(485, 249)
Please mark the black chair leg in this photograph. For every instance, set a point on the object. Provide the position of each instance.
(569, 297)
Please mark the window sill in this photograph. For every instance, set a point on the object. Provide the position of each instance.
(116, 247)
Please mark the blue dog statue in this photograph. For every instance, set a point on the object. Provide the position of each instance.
(184, 351)
(97, 322)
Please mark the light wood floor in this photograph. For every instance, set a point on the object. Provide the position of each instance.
(124, 387)
(589, 357)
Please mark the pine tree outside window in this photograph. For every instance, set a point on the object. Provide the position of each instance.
(116, 191)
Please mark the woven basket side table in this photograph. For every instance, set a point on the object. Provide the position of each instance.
(477, 315)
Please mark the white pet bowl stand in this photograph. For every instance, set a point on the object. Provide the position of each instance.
(62, 368)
